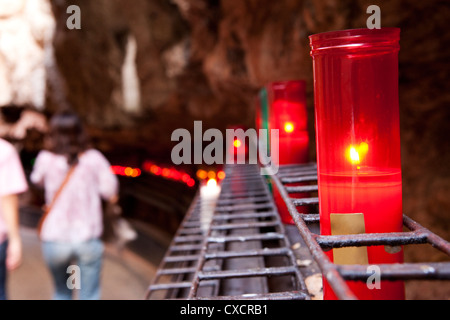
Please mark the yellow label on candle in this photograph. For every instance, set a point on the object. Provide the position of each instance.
(348, 223)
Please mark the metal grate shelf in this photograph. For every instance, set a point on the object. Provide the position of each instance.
(243, 247)
(317, 244)
(237, 251)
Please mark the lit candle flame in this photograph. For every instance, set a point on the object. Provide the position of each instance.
(354, 156)
(356, 153)
(289, 127)
(212, 183)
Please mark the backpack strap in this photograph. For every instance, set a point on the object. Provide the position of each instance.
(57, 194)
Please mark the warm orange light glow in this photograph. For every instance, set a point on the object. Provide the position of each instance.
(289, 127)
(221, 175)
(355, 154)
(237, 143)
(136, 173)
(202, 174)
(363, 148)
(211, 175)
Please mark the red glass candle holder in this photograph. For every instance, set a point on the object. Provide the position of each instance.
(288, 115)
(358, 146)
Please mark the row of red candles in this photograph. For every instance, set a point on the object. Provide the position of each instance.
(357, 143)
(154, 169)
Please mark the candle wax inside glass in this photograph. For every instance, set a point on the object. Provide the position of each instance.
(377, 194)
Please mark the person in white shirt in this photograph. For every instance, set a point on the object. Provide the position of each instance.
(71, 232)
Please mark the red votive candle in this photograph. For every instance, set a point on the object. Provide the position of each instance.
(287, 101)
(288, 114)
(358, 146)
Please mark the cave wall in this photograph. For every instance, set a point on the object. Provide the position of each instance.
(206, 59)
(26, 27)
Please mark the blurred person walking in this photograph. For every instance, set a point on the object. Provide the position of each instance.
(76, 178)
(12, 183)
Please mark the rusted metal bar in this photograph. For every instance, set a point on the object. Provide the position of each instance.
(236, 216)
(309, 174)
(295, 169)
(187, 231)
(182, 258)
(310, 217)
(187, 247)
(255, 237)
(250, 253)
(432, 238)
(256, 272)
(300, 189)
(289, 295)
(404, 271)
(179, 285)
(304, 201)
(168, 286)
(235, 226)
(309, 178)
(371, 239)
(176, 271)
(184, 239)
(192, 224)
(244, 195)
(237, 201)
(240, 207)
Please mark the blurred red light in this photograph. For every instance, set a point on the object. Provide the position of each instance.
(126, 171)
(191, 183)
(166, 172)
(176, 175)
(155, 170)
(136, 173)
